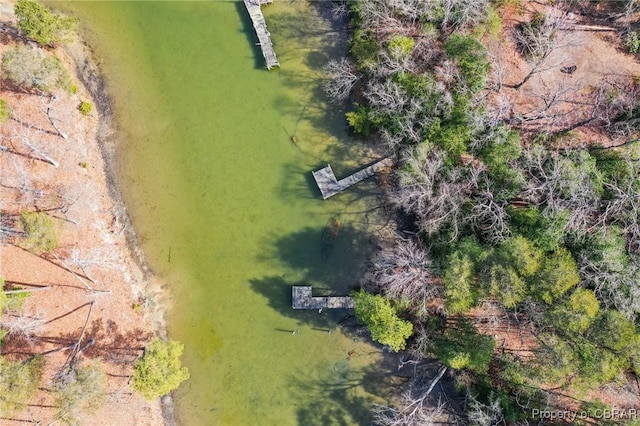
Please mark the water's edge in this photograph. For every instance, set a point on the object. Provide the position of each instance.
(92, 78)
(225, 209)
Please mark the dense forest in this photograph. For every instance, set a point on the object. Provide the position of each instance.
(516, 262)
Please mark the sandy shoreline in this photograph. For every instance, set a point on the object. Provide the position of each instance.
(92, 78)
(98, 224)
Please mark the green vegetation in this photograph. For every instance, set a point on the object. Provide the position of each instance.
(4, 111)
(461, 347)
(632, 41)
(382, 320)
(78, 391)
(400, 47)
(44, 26)
(19, 383)
(470, 55)
(11, 301)
(85, 108)
(41, 234)
(31, 68)
(540, 231)
(159, 370)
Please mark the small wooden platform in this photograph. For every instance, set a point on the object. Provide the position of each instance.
(264, 37)
(329, 185)
(301, 298)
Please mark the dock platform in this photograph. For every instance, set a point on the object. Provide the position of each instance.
(302, 298)
(330, 186)
(264, 37)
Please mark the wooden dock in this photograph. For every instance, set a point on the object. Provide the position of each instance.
(329, 185)
(264, 37)
(301, 298)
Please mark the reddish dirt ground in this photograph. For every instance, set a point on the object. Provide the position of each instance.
(599, 59)
(93, 277)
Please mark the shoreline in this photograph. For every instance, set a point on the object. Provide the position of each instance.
(132, 281)
(90, 75)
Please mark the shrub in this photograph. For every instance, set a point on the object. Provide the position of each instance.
(40, 232)
(461, 347)
(80, 390)
(85, 108)
(4, 111)
(632, 41)
(377, 314)
(582, 308)
(559, 273)
(44, 26)
(491, 25)
(10, 302)
(159, 371)
(471, 57)
(458, 281)
(18, 383)
(32, 68)
(400, 46)
(365, 49)
(546, 230)
(362, 120)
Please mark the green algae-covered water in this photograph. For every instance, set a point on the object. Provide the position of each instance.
(226, 208)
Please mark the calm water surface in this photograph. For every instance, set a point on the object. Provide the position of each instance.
(226, 208)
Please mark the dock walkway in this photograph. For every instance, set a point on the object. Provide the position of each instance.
(329, 185)
(301, 298)
(264, 37)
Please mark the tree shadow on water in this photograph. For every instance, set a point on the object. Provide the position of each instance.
(341, 394)
(324, 262)
(326, 256)
(277, 290)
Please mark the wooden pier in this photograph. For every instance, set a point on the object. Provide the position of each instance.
(301, 298)
(329, 185)
(264, 37)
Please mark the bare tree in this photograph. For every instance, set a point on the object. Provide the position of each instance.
(495, 54)
(339, 9)
(562, 182)
(15, 176)
(341, 79)
(403, 272)
(489, 217)
(433, 192)
(26, 134)
(386, 96)
(414, 407)
(93, 259)
(24, 326)
(458, 14)
(480, 414)
(552, 107)
(537, 40)
(378, 15)
(54, 119)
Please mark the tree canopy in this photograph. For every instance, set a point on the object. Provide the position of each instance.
(40, 232)
(526, 214)
(159, 370)
(31, 68)
(79, 390)
(382, 320)
(44, 26)
(18, 383)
